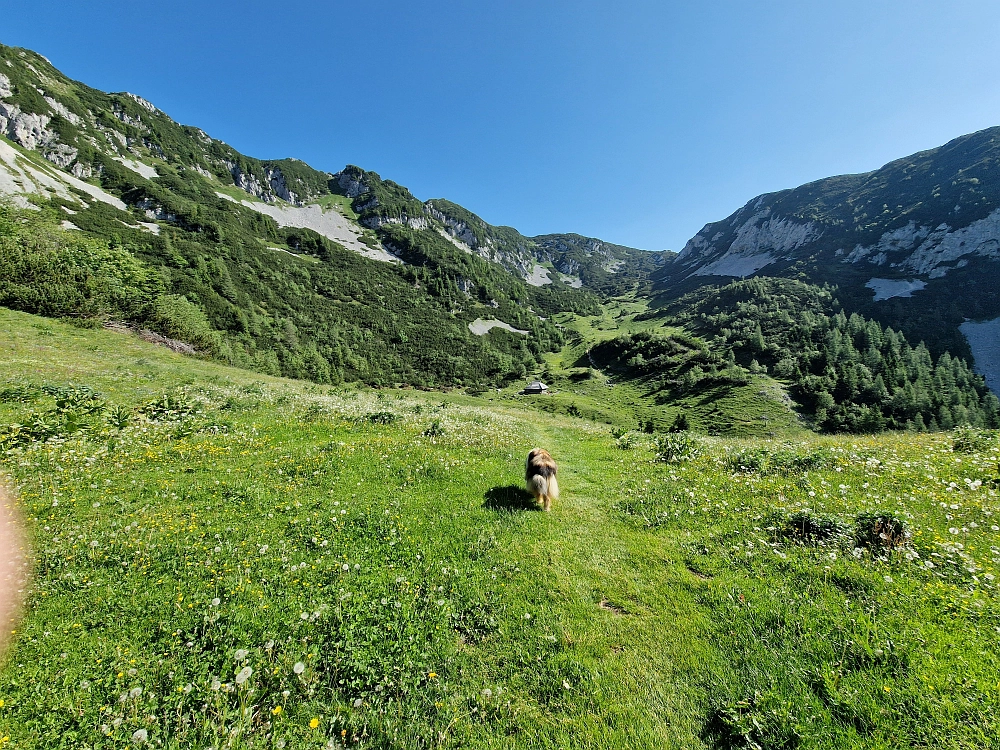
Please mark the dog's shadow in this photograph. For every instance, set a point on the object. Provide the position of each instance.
(510, 499)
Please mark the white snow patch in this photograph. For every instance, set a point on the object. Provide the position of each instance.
(984, 340)
(138, 167)
(889, 288)
(734, 264)
(331, 224)
(66, 224)
(481, 327)
(539, 276)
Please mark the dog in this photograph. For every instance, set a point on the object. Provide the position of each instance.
(540, 477)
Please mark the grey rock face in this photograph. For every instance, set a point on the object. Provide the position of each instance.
(352, 186)
(5, 87)
(25, 129)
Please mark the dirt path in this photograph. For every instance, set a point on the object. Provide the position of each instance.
(13, 566)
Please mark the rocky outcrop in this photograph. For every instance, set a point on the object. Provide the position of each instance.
(351, 183)
(932, 252)
(276, 186)
(5, 88)
(24, 128)
(758, 241)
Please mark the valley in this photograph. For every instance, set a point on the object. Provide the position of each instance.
(779, 524)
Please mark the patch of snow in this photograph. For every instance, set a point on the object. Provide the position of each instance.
(331, 224)
(481, 327)
(889, 288)
(984, 340)
(138, 167)
(732, 264)
(539, 276)
(66, 224)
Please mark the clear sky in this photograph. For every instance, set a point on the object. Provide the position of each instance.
(633, 121)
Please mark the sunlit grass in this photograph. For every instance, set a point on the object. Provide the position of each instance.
(262, 563)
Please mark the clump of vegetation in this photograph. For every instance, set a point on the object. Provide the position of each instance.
(968, 439)
(382, 417)
(880, 532)
(676, 446)
(806, 527)
(434, 430)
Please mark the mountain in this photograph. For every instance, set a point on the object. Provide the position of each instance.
(271, 264)
(914, 245)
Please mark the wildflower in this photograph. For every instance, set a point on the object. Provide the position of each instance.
(313, 723)
(276, 710)
(139, 736)
(216, 602)
(299, 667)
(432, 675)
(243, 675)
(358, 702)
(241, 654)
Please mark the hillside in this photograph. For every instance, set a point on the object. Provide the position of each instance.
(295, 271)
(228, 559)
(914, 245)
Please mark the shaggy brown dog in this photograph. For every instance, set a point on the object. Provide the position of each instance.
(540, 476)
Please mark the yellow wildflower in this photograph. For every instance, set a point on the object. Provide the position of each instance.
(313, 723)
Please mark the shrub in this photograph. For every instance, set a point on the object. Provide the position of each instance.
(382, 417)
(970, 440)
(880, 531)
(809, 528)
(676, 446)
(626, 441)
(435, 429)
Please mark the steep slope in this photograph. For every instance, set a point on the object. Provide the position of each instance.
(263, 258)
(915, 244)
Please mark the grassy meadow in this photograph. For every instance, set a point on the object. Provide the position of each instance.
(228, 560)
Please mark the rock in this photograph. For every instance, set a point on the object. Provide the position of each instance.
(24, 129)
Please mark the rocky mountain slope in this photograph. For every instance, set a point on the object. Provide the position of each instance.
(915, 244)
(92, 136)
(281, 267)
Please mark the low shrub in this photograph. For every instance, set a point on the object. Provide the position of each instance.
(879, 531)
(676, 446)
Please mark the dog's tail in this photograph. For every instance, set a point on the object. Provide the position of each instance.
(539, 486)
(553, 488)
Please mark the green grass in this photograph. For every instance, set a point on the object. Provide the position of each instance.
(659, 605)
(761, 408)
(337, 202)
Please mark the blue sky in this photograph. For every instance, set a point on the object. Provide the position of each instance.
(635, 122)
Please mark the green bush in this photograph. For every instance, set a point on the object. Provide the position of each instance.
(676, 446)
